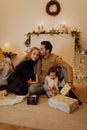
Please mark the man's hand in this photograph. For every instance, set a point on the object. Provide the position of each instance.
(72, 86)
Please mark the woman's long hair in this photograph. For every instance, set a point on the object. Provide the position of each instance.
(27, 57)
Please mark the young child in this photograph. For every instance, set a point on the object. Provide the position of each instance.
(51, 82)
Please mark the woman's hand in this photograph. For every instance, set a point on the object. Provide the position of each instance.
(31, 82)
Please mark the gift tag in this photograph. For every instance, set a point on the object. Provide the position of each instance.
(65, 89)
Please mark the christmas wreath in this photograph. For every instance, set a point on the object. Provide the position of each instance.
(50, 4)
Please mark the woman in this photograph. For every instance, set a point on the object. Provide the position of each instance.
(23, 75)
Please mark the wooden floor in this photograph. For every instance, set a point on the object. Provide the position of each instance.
(13, 127)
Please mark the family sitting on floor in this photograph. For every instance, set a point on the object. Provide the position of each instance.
(40, 72)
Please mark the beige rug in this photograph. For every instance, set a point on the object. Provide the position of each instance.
(42, 116)
(13, 127)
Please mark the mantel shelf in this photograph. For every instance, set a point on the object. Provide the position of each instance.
(74, 33)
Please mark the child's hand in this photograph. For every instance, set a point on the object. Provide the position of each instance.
(49, 88)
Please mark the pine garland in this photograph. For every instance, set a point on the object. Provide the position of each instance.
(74, 33)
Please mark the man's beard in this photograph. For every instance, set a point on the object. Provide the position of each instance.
(42, 55)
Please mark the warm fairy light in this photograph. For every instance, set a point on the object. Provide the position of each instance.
(7, 46)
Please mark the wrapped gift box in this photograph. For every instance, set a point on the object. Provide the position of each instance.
(63, 103)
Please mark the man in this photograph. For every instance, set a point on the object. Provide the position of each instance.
(46, 61)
